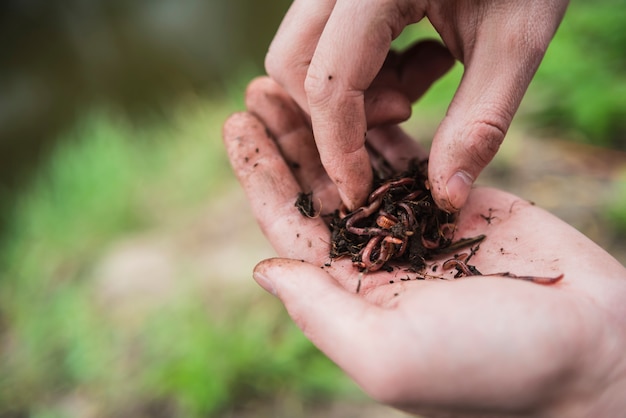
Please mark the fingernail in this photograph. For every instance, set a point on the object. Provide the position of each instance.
(346, 200)
(264, 282)
(458, 188)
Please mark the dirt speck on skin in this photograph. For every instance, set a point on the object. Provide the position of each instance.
(197, 246)
(304, 203)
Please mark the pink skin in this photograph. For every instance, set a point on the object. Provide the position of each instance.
(333, 57)
(486, 345)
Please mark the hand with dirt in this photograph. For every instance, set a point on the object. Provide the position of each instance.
(333, 57)
(483, 344)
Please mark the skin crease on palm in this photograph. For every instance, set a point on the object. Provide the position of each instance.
(330, 54)
(476, 346)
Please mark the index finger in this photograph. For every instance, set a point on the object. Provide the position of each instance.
(315, 31)
(349, 54)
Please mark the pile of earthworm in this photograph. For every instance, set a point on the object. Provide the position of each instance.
(400, 223)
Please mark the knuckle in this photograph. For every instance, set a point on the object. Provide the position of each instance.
(274, 63)
(269, 63)
(317, 88)
(284, 63)
(399, 13)
(327, 89)
(484, 140)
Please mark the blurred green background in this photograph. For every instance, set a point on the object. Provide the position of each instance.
(125, 286)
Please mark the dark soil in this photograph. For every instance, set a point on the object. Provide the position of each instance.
(399, 225)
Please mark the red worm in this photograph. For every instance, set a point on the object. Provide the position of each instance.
(410, 215)
(363, 213)
(378, 193)
(366, 254)
(453, 262)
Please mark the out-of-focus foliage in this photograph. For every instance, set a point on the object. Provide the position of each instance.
(616, 209)
(63, 352)
(67, 348)
(60, 58)
(579, 91)
(580, 88)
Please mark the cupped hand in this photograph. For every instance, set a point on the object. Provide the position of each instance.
(332, 56)
(430, 343)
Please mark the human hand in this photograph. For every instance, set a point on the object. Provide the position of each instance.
(329, 56)
(491, 345)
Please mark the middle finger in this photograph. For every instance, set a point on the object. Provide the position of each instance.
(290, 52)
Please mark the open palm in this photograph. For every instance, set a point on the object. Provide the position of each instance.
(482, 344)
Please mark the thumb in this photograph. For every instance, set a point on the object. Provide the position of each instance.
(477, 120)
(341, 324)
(460, 151)
(468, 138)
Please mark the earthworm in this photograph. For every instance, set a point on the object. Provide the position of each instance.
(378, 193)
(460, 265)
(409, 213)
(387, 248)
(366, 254)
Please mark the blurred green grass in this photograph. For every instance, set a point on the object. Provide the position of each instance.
(211, 354)
(579, 91)
(110, 179)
